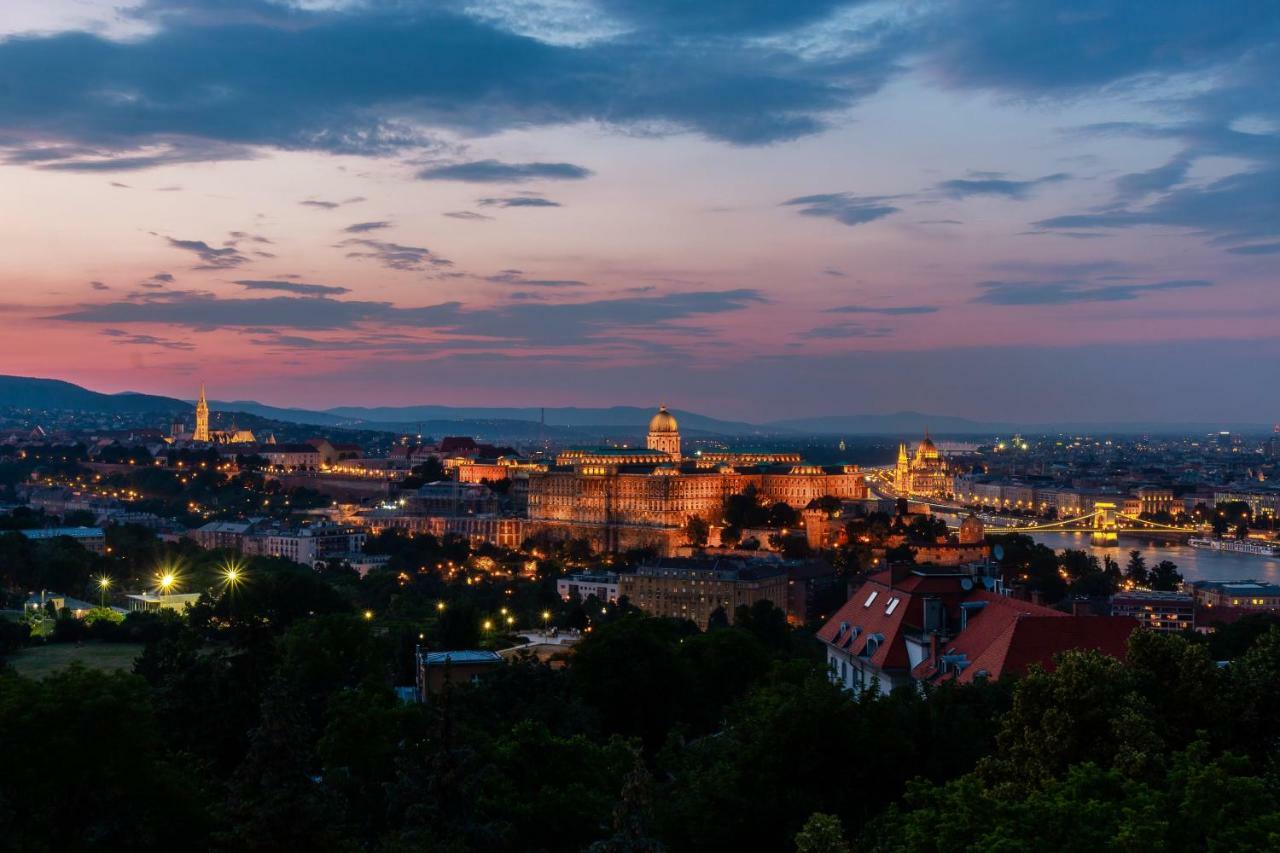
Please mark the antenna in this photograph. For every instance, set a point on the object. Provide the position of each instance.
(542, 422)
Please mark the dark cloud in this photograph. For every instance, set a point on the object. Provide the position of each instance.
(940, 222)
(393, 255)
(99, 285)
(294, 287)
(721, 16)
(497, 172)
(832, 271)
(994, 184)
(227, 257)
(1067, 292)
(1034, 48)
(517, 201)
(845, 208)
(234, 76)
(546, 324)
(366, 227)
(467, 214)
(897, 310)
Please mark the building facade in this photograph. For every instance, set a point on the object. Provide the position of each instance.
(924, 473)
(693, 589)
(632, 498)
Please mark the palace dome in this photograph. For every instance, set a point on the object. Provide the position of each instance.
(663, 421)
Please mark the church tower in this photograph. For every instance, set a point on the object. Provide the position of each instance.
(202, 418)
(902, 472)
(664, 434)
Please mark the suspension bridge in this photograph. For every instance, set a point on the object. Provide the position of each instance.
(1104, 525)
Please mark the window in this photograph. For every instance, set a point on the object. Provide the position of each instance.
(870, 598)
(891, 606)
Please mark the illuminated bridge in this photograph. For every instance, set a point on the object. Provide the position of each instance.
(1104, 524)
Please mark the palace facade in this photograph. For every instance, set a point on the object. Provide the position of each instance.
(631, 498)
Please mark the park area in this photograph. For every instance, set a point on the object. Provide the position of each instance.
(39, 661)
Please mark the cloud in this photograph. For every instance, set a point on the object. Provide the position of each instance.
(842, 331)
(1256, 249)
(517, 277)
(517, 201)
(127, 339)
(990, 183)
(1068, 292)
(497, 172)
(321, 204)
(393, 255)
(227, 257)
(293, 287)
(845, 208)
(238, 237)
(161, 151)
(835, 273)
(1238, 207)
(467, 214)
(365, 227)
(899, 310)
(546, 324)
(1136, 185)
(98, 285)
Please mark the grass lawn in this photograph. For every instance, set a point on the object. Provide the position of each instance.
(39, 661)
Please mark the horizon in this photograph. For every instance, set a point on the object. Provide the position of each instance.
(751, 210)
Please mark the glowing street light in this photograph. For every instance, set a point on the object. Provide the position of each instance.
(440, 606)
(368, 615)
(488, 625)
(103, 583)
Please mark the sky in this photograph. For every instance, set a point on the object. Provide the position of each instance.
(758, 209)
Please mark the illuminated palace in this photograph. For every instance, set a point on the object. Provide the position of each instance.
(620, 498)
(924, 473)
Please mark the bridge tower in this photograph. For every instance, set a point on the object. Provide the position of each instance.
(1105, 528)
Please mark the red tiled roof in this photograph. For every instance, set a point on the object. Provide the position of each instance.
(1005, 636)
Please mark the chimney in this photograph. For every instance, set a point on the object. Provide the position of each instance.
(933, 648)
(898, 572)
(1080, 607)
(1037, 597)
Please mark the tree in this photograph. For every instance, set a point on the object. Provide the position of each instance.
(1165, 576)
(1136, 571)
(821, 833)
(730, 536)
(696, 531)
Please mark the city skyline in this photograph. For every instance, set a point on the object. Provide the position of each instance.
(756, 211)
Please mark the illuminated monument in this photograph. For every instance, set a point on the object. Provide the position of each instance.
(925, 473)
(202, 418)
(623, 498)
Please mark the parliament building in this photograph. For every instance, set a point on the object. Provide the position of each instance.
(620, 498)
(923, 474)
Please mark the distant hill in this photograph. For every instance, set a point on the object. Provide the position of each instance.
(898, 423)
(588, 418)
(564, 423)
(27, 393)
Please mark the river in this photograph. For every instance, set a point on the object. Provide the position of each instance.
(1195, 563)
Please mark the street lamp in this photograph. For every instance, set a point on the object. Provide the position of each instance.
(103, 583)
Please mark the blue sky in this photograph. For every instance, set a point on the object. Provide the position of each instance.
(746, 208)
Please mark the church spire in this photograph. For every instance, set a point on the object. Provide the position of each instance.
(201, 432)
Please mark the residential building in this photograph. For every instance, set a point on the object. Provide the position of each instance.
(436, 671)
(1244, 594)
(692, 588)
(1159, 611)
(582, 585)
(916, 624)
(91, 538)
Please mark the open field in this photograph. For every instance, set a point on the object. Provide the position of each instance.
(39, 661)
